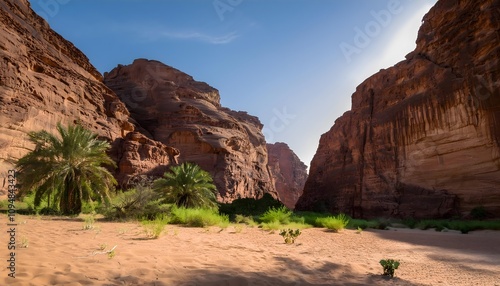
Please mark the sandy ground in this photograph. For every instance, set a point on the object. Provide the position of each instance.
(60, 252)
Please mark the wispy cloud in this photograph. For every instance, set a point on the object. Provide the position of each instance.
(197, 36)
(157, 33)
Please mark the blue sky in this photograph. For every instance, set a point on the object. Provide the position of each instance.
(292, 63)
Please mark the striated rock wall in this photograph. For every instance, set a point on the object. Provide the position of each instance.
(181, 112)
(45, 79)
(421, 138)
(288, 171)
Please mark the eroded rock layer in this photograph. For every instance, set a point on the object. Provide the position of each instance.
(288, 171)
(421, 138)
(181, 112)
(44, 79)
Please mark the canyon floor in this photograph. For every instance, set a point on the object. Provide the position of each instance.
(60, 252)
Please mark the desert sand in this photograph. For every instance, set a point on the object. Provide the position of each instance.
(60, 252)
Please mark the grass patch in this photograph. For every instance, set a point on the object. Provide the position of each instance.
(364, 224)
(154, 228)
(334, 223)
(198, 217)
(248, 220)
(280, 215)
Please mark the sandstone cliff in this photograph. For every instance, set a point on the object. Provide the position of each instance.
(422, 137)
(181, 112)
(288, 171)
(45, 79)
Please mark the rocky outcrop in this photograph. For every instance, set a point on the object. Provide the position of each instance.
(181, 112)
(45, 79)
(288, 171)
(422, 137)
(140, 156)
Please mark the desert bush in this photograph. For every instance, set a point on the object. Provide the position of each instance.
(290, 235)
(410, 222)
(281, 215)
(334, 223)
(250, 206)
(154, 228)
(309, 218)
(479, 213)
(88, 222)
(139, 202)
(198, 217)
(389, 266)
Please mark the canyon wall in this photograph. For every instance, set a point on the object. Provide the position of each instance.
(288, 171)
(422, 137)
(45, 79)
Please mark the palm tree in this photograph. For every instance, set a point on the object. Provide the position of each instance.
(187, 185)
(69, 166)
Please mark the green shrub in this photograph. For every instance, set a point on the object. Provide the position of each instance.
(198, 217)
(281, 215)
(410, 222)
(334, 223)
(88, 222)
(250, 206)
(479, 213)
(154, 228)
(309, 218)
(390, 266)
(290, 235)
(136, 203)
(4, 204)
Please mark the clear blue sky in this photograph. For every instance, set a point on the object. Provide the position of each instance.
(292, 63)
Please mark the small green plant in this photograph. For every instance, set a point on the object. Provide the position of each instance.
(359, 230)
(238, 228)
(122, 230)
(103, 246)
(389, 265)
(155, 227)
(89, 222)
(24, 242)
(290, 235)
(248, 220)
(111, 254)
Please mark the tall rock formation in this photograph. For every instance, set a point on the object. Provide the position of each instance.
(45, 79)
(422, 137)
(181, 112)
(288, 171)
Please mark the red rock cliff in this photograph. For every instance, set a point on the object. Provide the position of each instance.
(288, 171)
(45, 79)
(422, 137)
(186, 114)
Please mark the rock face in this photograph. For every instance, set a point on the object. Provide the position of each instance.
(422, 137)
(289, 173)
(45, 79)
(181, 112)
(140, 156)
